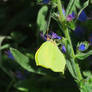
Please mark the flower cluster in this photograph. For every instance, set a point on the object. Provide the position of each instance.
(51, 35)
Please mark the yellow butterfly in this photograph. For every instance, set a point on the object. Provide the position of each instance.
(49, 56)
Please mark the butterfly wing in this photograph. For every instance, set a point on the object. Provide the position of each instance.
(49, 56)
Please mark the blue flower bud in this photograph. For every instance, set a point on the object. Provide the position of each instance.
(63, 49)
(82, 47)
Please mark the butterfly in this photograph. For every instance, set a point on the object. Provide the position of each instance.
(49, 56)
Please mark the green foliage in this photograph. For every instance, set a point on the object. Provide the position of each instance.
(72, 6)
(5, 46)
(39, 1)
(20, 23)
(83, 56)
(71, 25)
(70, 68)
(22, 60)
(85, 4)
(41, 19)
(1, 39)
(90, 1)
(86, 84)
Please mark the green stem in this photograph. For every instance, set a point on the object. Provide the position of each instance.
(75, 65)
(49, 20)
(69, 40)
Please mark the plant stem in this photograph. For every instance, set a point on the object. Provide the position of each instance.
(62, 19)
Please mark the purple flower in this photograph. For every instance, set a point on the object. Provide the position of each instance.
(55, 36)
(82, 17)
(51, 35)
(82, 47)
(63, 49)
(70, 17)
(9, 54)
(45, 1)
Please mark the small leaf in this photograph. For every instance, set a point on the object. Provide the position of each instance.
(41, 19)
(1, 39)
(71, 25)
(72, 6)
(83, 7)
(87, 74)
(22, 60)
(5, 46)
(69, 66)
(82, 56)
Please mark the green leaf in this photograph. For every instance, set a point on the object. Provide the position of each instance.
(22, 60)
(83, 7)
(72, 6)
(41, 19)
(69, 66)
(5, 46)
(87, 73)
(82, 56)
(71, 25)
(1, 39)
(39, 1)
(90, 1)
